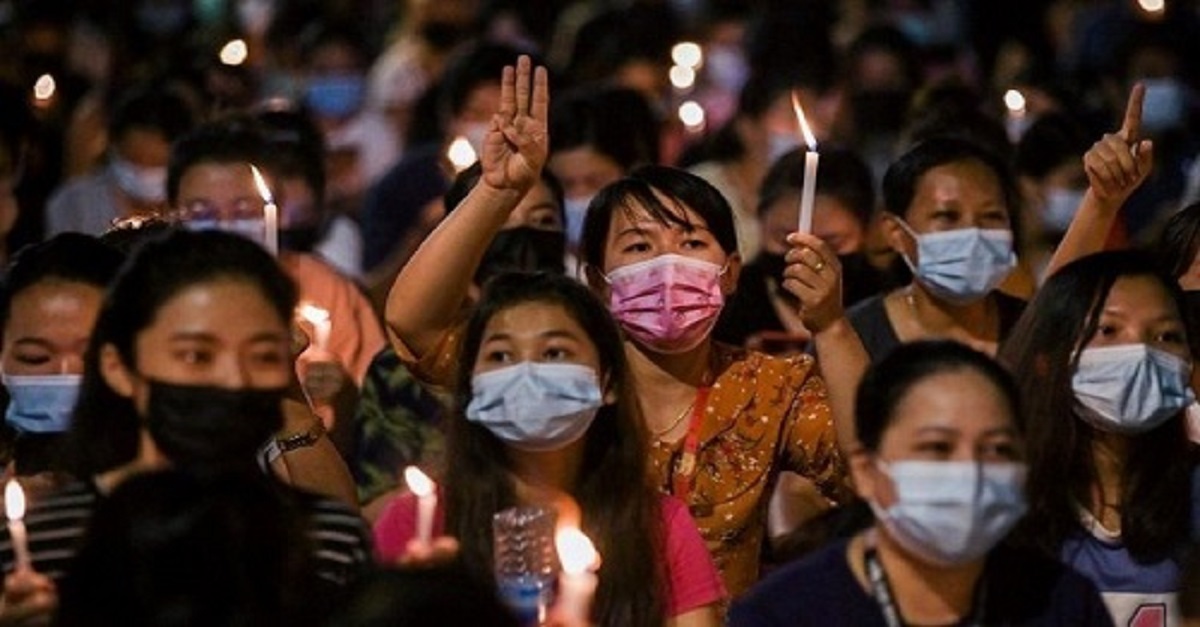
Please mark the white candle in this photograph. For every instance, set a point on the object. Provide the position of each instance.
(14, 506)
(811, 160)
(422, 486)
(321, 323)
(577, 581)
(270, 213)
(1014, 120)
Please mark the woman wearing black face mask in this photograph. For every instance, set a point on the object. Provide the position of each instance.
(762, 315)
(187, 369)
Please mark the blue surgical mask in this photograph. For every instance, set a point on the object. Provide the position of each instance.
(1059, 210)
(536, 406)
(576, 211)
(141, 183)
(41, 404)
(963, 265)
(779, 144)
(952, 512)
(1165, 104)
(336, 96)
(1130, 388)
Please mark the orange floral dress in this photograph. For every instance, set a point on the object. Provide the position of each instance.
(763, 415)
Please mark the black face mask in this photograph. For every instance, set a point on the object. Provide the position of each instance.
(209, 429)
(300, 240)
(523, 249)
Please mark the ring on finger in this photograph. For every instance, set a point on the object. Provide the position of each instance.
(820, 265)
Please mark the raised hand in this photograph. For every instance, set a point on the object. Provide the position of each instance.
(814, 275)
(1118, 164)
(518, 142)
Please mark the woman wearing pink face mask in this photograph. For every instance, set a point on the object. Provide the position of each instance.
(660, 247)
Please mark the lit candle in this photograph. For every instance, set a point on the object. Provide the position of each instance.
(1014, 120)
(422, 486)
(319, 319)
(811, 159)
(577, 581)
(270, 213)
(461, 154)
(14, 506)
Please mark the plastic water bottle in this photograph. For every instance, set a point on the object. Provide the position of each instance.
(526, 562)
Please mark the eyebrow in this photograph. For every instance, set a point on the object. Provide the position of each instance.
(549, 334)
(205, 336)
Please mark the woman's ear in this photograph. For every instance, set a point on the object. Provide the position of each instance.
(864, 475)
(115, 373)
(733, 269)
(897, 237)
(596, 281)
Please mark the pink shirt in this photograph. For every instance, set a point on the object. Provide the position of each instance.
(694, 580)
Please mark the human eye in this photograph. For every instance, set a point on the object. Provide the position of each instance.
(557, 353)
(32, 358)
(1173, 336)
(640, 246)
(497, 356)
(193, 356)
(695, 243)
(1004, 450)
(270, 356)
(935, 448)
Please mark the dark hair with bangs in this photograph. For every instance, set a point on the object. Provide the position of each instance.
(1180, 240)
(620, 507)
(904, 175)
(682, 189)
(1043, 352)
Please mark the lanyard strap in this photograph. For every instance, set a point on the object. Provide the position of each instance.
(684, 473)
(882, 591)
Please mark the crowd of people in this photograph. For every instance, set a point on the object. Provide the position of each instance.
(867, 313)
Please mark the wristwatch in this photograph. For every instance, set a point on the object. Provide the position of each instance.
(301, 440)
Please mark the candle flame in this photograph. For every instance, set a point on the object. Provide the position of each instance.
(809, 139)
(14, 500)
(313, 313)
(234, 52)
(575, 551)
(418, 482)
(461, 154)
(261, 184)
(45, 87)
(1014, 101)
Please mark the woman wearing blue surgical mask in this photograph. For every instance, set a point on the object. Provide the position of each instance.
(546, 409)
(942, 467)
(948, 206)
(1102, 364)
(48, 306)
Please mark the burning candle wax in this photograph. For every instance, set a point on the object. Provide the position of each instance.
(422, 486)
(319, 319)
(270, 213)
(811, 159)
(14, 506)
(577, 582)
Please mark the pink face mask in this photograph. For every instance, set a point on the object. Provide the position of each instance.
(669, 303)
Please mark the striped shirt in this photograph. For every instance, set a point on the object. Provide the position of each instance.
(56, 525)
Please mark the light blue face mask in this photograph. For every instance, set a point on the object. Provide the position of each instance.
(336, 96)
(41, 404)
(536, 406)
(575, 210)
(1059, 210)
(961, 266)
(1130, 388)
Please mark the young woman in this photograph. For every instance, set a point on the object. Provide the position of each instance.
(941, 466)
(1102, 361)
(187, 368)
(545, 407)
(949, 205)
(660, 248)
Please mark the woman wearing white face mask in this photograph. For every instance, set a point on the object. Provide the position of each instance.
(1102, 362)
(941, 467)
(947, 215)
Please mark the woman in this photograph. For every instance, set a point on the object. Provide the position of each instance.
(1102, 361)
(941, 466)
(543, 388)
(48, 306)
(724, 421)
(187, 368)
(949, 205)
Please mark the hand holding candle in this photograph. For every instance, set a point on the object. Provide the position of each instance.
(811, 159)
(577, 582)
(270, 213)
(14, 506)
(423, 488)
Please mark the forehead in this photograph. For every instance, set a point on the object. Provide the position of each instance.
(223, 306)
(50, 299)
(531, 320)
(960, 400)
(211, 178)
(633, 213)
(1144, 295)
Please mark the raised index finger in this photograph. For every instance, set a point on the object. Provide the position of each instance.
(1131, 126)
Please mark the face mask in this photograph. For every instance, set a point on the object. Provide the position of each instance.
(1164, 105)
(727, 68)
(779, 144)
(951, 513)
(963, 265)
(253, 229)
(1131, 388)
(536, 406)
(208, 428)
(576, 212)
(144, 184)
(523, 249)
(336, 96)
(41, 404)
(1061, 204)
(668, 303)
